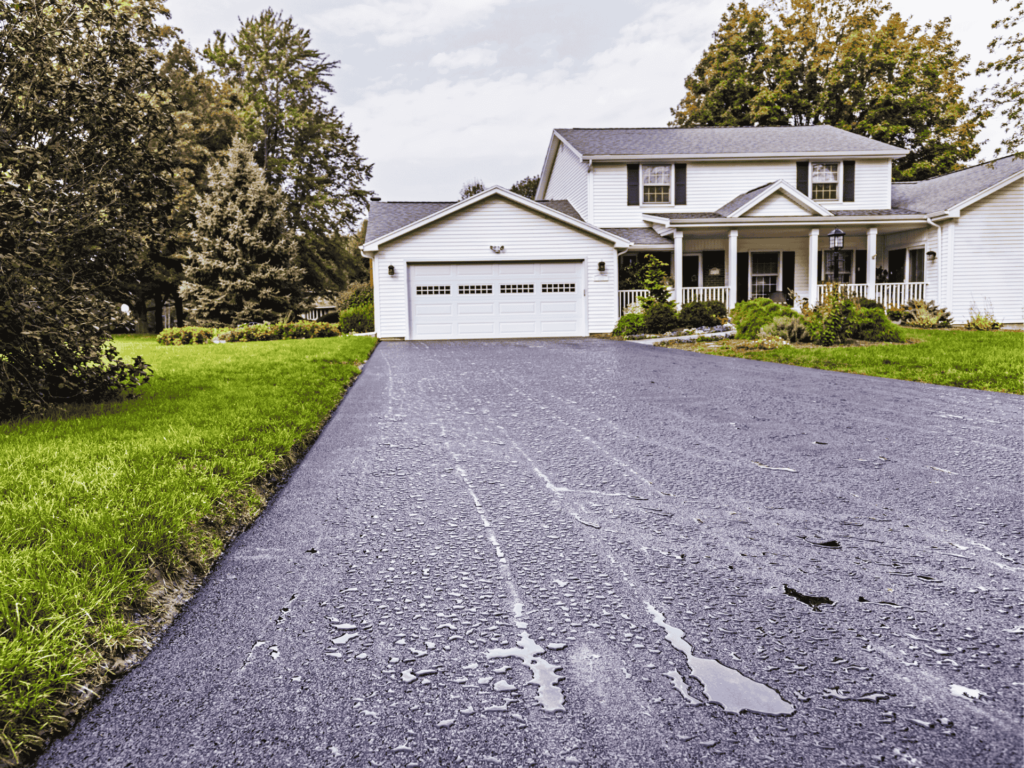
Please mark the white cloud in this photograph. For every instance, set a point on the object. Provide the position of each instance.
(396, 22)
(497, 128)
(467, 57)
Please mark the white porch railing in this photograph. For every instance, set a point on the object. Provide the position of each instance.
(717, 293)
(886, 294)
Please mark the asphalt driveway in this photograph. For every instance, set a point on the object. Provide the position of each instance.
(599, 553)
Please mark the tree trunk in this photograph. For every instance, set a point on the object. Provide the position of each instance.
(158, 312)
(141, 316)
(179, 311)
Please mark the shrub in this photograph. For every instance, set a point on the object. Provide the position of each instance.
(631, 324)
(982, 320)
(302, 329)
(188, 335)
(654, 279)
(660, 317)
(356, 295)
(766, 341)
(749, 317)
(358, 319)
(792, 329)
(331, 317)
(698, 314)
(872, 324)
(925, 314)
(865, 303)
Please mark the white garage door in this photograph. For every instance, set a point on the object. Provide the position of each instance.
(493, 300)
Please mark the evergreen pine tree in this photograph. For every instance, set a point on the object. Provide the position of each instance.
(241, 267)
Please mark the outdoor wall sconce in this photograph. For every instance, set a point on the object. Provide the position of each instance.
(931, 255)
(391, 269)
(600, 266)
(498, 248)
(835, 239)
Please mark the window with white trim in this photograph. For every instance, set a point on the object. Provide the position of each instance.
(825, 182)
(916, 258)
(657, 181)
(835, 267)
(764, 274)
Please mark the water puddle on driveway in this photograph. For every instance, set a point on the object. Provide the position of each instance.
(724, 685)
(544, 676)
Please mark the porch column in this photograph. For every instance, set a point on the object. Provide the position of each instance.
(677, 265)
(731, 266)
(812, 267)
(869, 278)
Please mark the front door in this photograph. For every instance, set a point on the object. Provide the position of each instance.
(691, 271)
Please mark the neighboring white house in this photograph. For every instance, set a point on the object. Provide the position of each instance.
(738, 212)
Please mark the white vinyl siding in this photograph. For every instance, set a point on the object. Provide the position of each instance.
(569, 181)
(466, 236)
(872, 187)
(711, 185)
(778, 205)
(988, 266)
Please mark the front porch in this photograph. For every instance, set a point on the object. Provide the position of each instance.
(891, 268)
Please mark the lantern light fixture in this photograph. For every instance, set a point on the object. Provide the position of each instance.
(835, 239)
(391, 269)
(600, 266)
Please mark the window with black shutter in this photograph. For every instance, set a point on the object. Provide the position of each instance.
(633, 184)
(849, 181)
(680, 184)
(802, 172)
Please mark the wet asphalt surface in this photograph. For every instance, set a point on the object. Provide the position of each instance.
(579, 552)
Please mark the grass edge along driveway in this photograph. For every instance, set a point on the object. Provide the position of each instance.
(989, 360)
(97, 501)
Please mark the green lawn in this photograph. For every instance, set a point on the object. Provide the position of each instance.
(92, 499)
(992, 360)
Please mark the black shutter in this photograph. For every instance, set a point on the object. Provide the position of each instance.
(680, 184)
(801, 177)
(788, 271)
(849, 180)
(632, 184)
(742, 269)
(860, 274)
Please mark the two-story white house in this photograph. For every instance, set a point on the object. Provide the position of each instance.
(738, 213)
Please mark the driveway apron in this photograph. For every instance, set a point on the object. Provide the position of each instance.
(596, 553)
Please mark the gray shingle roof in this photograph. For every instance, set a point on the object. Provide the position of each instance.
(639, 235)
(385, 217)
(562, 206)
(738, 202)
(945, 192)
(709, 141)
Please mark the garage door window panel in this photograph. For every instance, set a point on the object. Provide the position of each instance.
(464, 289)
(558, 287)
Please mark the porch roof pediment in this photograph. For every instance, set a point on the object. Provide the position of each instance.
(776, 199)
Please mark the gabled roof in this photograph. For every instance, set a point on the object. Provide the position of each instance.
(745, 202)
(639, 235)
(778, 141)
(387, 221)
(944, 193)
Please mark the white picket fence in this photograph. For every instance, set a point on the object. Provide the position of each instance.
(717, 293)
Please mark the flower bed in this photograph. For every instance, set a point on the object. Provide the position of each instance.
(303, 329)
(679, 332)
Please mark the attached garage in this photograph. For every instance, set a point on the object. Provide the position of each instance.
(496, 300)
(495, 266)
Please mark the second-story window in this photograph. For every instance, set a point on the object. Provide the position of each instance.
(825, 181)
(657, 180)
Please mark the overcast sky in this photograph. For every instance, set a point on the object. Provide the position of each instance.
(444, 91)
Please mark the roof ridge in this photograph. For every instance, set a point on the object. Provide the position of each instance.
(696, 127)
(961, 170)
(417, 202)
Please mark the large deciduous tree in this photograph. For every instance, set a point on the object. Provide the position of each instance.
(301, 142)
(85, 189)
(527, 187)
(242, 267)
(849, 63)
(1006, 95)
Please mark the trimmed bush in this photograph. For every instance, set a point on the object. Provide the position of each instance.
(175, 337)
(922, 314)
(303, 329)
(698, 314)
(792, 329)
(749, 317)
(356, 295)
(631, 324)
(660, 317)
(872, 324)
(357, 319)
